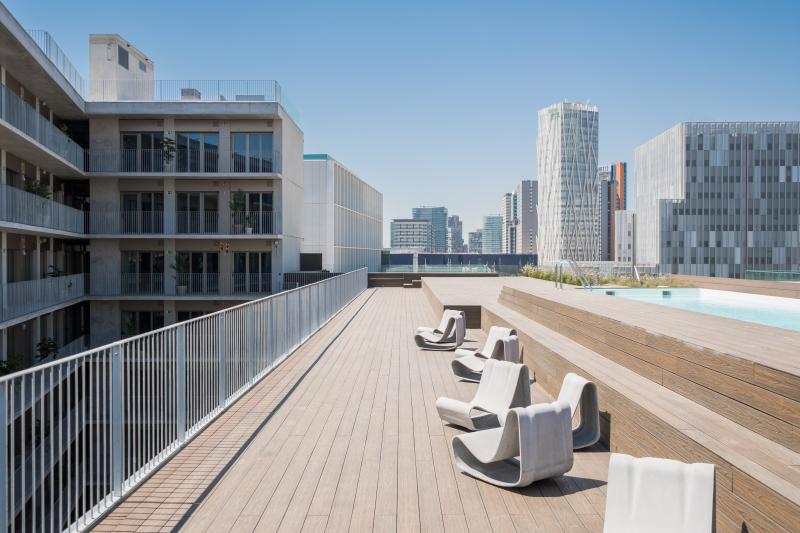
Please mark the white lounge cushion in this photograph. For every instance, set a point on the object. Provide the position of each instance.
(658, 496)
(534, 443)
(503, 386)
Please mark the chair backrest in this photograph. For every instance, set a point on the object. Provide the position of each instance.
(507, 349)
(460, 326)
(495, 334)
(545, 439)
(578, 391)
(446, 316)
(658, 495)
(503, 386)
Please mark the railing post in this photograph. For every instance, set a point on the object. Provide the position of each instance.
(116, 421)
(4, 458)
(180, 370)
(221, 355)
(250, 341)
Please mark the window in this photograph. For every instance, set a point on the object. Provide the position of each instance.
(142, 273)
(142, 66)
(122, 57)
(197, 272)
(251, 212)
(252, 152)
(142, 212)
(197, 212)
(142, 151)
(197, 152)
(252, 272)
(139, 322)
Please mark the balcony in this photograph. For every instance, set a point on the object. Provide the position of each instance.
(181, 162)
(27, 209)
(59, 58)
(63, 155)
(25, 297)
(188, 223)
(157, 285)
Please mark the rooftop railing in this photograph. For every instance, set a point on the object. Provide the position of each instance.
(33, 295)
(22, 207)
(79, 433)
(157, 161)
(25, 118)
(56, 55)
(183, 223)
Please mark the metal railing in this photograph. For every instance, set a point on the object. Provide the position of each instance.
(292, 280)
(159, 161)
(185, 91)
(180, 284)
(773, 275)
(255, 222)
(22, 207)
(57, 56)
(79, 433)
(25, 118)
(23, 297)
(184, 223)
(125, 222)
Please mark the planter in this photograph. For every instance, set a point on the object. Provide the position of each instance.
(181, 290)
(248, 231)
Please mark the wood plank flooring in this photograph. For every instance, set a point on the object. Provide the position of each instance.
(350, 441)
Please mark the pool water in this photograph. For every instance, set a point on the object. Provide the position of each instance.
(768, 310)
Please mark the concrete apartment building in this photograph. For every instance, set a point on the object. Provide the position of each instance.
(455, 235)
(720, 199)
(492, 234)
(526, 194)
(508, 212)
(438, 219)
(569, 200)
(129, 202)
(411, 234)
(342, 216)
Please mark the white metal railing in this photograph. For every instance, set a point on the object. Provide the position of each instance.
(193, 161)
(55, 54)
(25, 297)
(180, 284)
(185, 90)
(255, 222)
(25, 118)
(22, 207)
(182, 223)
(79, 433)
(125, 222)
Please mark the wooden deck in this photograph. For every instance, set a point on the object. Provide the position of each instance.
(345, 436)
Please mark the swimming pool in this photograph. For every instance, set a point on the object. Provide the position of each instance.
(768, 310)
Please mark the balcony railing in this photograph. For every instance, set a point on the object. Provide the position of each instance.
(180, 284)
(25, 297)
(79, 433)
(185, 91)
(55, 54)
(158, 161)
(21, 207)
(25, 118)
(184, 223)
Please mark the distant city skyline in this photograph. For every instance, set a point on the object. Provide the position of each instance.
(405, 117)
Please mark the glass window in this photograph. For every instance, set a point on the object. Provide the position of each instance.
(142, 66)
(197, 152)
(252, 152)
(122, 57)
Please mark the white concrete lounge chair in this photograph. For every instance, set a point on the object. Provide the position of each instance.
(470, 367)
(503, 386)
(495, 333)
(442, 324)
(455, 330)
(534, 443)
(658, 496)
(578, 391)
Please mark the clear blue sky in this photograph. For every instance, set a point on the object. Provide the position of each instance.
(436, 103)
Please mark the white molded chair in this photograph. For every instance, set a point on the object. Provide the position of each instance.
(503, 386)
(578, 391)
(455, 330)
(534, 443)
(658, 496)
(446, 314)
(495, 333)
(502, 344)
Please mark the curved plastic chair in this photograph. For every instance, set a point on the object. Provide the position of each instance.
(495, 333)
(470, 367)
(578, 391)
(440, 329)
(455, 330)
(503, 386)
(534, 443)
(658, 496)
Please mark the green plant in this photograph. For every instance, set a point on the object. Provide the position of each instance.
(168, 149)
(237, 203)
(64, 129)
(181, 264)
(37, 187)
(14, 363)
(47, 347)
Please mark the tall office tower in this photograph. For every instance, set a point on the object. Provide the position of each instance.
(411, 234)
(720, 198)
(342, 217)
(619, 175)
(492, 234)
(527, 227)
(609, 196)
(438, 219)
(455, 235)
(569, 199)
(508, 210)
(476, 242)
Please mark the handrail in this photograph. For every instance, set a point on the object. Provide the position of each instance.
(139, 400)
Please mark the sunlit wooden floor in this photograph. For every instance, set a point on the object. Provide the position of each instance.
(345, 436)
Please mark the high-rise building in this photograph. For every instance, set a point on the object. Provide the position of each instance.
(619, 175)
(492, 234)
(508, 211)
(569, 199)
(342, 216)
(455, 235)
(609, 196)
(527, 226)
(476, 241)
(438, 219)
(411, 234)
(719, 198)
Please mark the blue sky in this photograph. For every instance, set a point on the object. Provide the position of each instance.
(436, 103)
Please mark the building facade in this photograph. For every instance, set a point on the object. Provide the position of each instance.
(609, 198)
(411, 234)
(508, 212)
(625, 236)
(438, 219)
(342, 216)
(527, 226)
(476, 241)
(569, 200)
(619, 175)
(492, 234)
(720, 199)
(455, 235)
